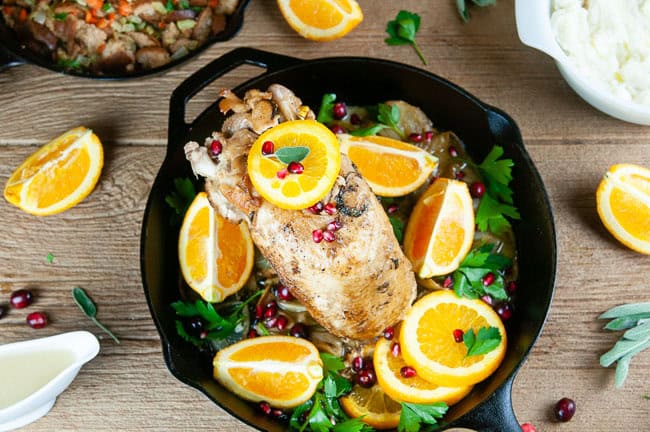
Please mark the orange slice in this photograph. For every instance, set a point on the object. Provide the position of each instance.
(623, 202)
(281, 370)
(59, 175)
(440, 230)
(321, 165)
(414, 389)
(391, 167)
(321, 20)
(376, 407)
(216, 255)
(428, 344)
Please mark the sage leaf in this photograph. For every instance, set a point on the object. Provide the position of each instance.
(89, 309)
(640, 332)
(627, 309)
(626, 322)
(292, 154)
(622, 348)
(372, 130)
(622, 368)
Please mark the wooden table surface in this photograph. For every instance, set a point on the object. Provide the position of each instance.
(96, 244)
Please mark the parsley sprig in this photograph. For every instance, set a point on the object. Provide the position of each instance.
(462, 7)
(180, 198)
(402, 31)
(415, 415)
(484, 341)
(468, 278)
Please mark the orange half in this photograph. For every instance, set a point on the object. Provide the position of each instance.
(373, 405)
(321, 20)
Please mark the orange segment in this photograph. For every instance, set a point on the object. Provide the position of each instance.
(428, 344)
(623, 202)
(376, 407)
(59, 175)
(391, 167)
(321, 20)
(321, 165)
(216, 255)
(414, 389)
(440, 230)
(281, 370)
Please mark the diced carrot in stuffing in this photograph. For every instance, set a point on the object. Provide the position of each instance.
(22, 15)
(95, 4)
(101, 48)
(213, 3)
(124, 8)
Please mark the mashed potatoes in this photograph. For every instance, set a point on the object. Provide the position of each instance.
(609, 41)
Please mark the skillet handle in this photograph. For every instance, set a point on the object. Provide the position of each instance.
(6, 59)
(178, 128)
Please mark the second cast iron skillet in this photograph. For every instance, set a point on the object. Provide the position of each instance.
(358, 81)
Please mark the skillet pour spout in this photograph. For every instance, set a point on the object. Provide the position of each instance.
(358, 80)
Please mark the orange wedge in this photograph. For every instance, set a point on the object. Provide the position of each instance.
(59, 175)
(428, 344)
(216, 255)
(414, 389)
(281, 370)
(375, 407)
(623, 202)
(321, 20)
(440, 230)
(391, 167)
(321, 166)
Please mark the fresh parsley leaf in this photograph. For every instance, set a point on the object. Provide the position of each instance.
(108, 8)
(73, 64)
(332, 363)
(491, 214)
(486, 340)
(180, 198)
(370, 130)
(462, 7)
(352, 425)
(61, 16)
(325, 112)
(402, 31)
(50, 257)
(414, 415)
(290, 154)
(169, 6)
(479, 262)
(398, 228)
(390, 115)
(183, 4)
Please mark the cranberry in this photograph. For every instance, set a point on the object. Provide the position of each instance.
(527, 427)
(271, 310)
(282, 174)
(565, 408)
(298, 330)
(340, 110)
(458, 335)
(337, 129)
(407, 372)
(317, 235)
(448, 282)
(415, 137)
(487, 298)
(37, 320)
(453, 152)
(283, 293)
(504, 310)
(428, 135)
(388, 333)
(282, 322)
(265, 408)
(396, 349)
(357, 364)
(21, 299)
(366, 378)
(488, 279)
(259, 311)
(268, 148)
(333, 226)
(252, 334)
(316, 208)
(368, 364)
(459, 175)
(355, 119)
(329, 236)
(295, 168)
(511, 287)
(216, 148)
(392, 208)
(477, 189)
(330, 208)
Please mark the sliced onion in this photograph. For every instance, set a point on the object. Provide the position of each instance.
(181, 52)
(39, 16)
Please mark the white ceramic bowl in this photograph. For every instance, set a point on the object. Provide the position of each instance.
(534, 28)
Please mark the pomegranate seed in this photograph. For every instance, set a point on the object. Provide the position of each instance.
(339, 111)
(527, 427)
(316, 208)
(511, 287)
(448, 282)
(298, 330)
(317, 235)
(333, 226)
(265, 408)
(458, 335)
(388, 333)
(488, 279)
(216, 148)
(259, 311)
(268, 148)
(428, 135)
(355, 119)
(368, 364)
(415, 137)
(203, 334)
(37, 320)
(477, 189)
(487, 298)
(278, 414)
(271, 322)
(271, 310)
(295, 168)
(453, 152)
(504, 310)
(395, 349)
(21, 299)
(337, 129)
(282, 174)
(283, 293)
(407, 372)
(329, 236)
(252, 334)
(366, 378)
(3, 310)
(330, 208)
(282, 322)
(357, 364)
(392, 208)
(565, 408)
(460, 175)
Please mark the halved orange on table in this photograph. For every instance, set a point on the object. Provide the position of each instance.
(392, 168)
(428, 345)
(216, 255)
(281, 370)
(373, 405)
(321, 20)
(59, 175)
(440, 230)
(623, 202)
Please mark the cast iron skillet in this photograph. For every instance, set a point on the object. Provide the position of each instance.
(357, 81)
(14, 53)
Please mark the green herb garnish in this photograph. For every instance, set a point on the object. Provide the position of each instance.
(61, 16)
(486, 340)
(634, 318)
(398, 228)
(462, 7)
(402, 31)
(180, 199)
(287, 155)
(415, 415)
(326, 108)
(371, 130)
(169, 6)
(73, 64)
(50, 257)
(89, 308)
(390, 115)
(479, 262)
(646, 397)
(183, 4)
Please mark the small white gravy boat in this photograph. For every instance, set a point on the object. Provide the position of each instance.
(34, 372)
